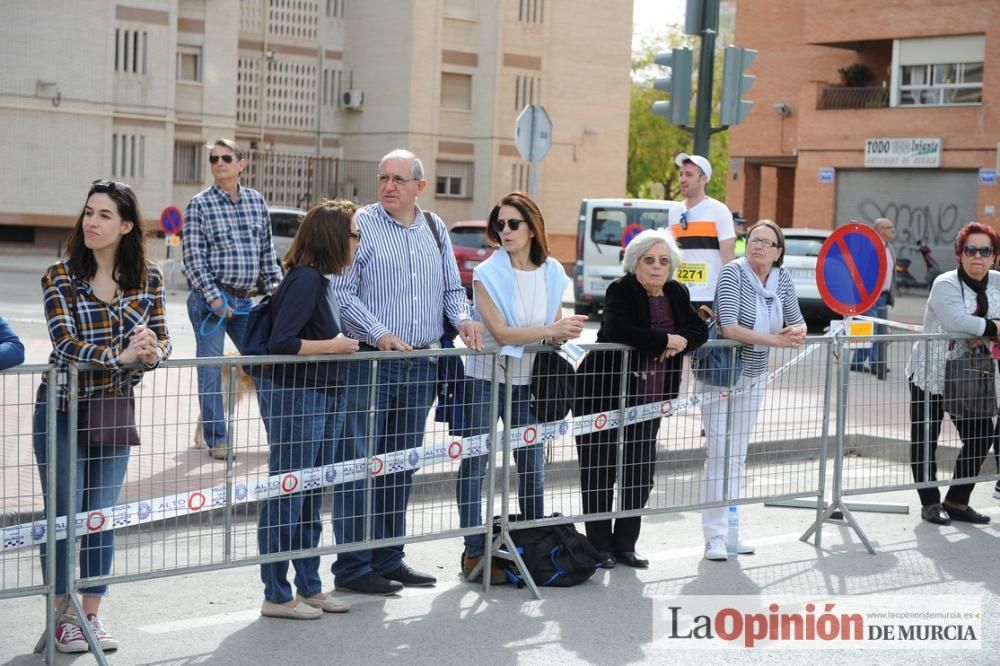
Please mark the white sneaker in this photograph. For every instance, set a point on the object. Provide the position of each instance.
(745, 549)
(996, 492)
(104, 637)
(715, 549)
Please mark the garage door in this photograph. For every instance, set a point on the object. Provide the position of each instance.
(926, 205)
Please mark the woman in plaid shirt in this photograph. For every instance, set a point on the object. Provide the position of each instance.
(103, 305)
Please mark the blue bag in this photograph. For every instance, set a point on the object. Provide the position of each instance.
(716, 366)
(260, 321)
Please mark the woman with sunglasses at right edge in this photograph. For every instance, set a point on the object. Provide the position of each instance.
(518, 296)
(965, 300)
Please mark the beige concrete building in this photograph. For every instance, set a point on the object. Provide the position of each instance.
(319, 90)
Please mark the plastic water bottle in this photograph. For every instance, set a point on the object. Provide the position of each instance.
(733, 532)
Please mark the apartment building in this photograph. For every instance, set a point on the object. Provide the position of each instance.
(317, 91)
(909, 131)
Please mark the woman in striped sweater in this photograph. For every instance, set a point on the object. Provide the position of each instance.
(757, 306)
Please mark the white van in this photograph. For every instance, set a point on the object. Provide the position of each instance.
(601, 226)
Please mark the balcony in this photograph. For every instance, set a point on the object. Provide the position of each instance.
(843, 97)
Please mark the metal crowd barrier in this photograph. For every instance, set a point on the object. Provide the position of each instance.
(180, 511)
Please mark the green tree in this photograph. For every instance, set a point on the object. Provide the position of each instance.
(653, 142)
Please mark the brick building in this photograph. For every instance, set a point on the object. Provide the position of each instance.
(817, 153)
(319, 89)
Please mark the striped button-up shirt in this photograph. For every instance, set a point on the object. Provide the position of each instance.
(401, 281)
(85, 329)
(228, 243)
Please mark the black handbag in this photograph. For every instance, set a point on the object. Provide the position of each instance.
(970, 390)
(553, 386)
(107, 419)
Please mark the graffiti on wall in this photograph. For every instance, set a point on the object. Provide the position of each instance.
(933, 225)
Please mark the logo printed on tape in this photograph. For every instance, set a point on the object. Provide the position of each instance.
(529, 435)
(95, 521)
(601, 421)
(241, 491)
(455, 450)
(377, 466)
(665, 407)
(145, 510)
(196, 500)
(38, 531)
(289, 483)
(330, 474)
(413, 458)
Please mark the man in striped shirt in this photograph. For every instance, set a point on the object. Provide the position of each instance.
(228, 257)
(403, 279)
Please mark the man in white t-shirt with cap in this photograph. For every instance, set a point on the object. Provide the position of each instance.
(703, 228)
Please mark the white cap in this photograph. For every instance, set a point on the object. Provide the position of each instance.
(696, 160)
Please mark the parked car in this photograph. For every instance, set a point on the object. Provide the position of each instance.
(801, 252)
(284, 223)
(468, 239)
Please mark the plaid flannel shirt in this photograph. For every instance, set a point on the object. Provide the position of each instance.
(228, 243)
(99, 331)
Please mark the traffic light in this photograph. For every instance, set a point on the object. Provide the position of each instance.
(678, 84)
(735, 84)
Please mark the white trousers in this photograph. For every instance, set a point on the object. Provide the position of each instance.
(746, 401)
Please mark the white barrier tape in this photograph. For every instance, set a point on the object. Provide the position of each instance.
(26, 535)
(893, 324)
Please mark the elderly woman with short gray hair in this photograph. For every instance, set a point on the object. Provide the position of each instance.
(650, 311)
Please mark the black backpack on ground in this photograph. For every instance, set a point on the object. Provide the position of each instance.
(555, 555)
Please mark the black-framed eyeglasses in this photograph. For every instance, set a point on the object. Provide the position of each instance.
(512, 224)
(650, 260)
(384, 179)
(227, 158)
(108, 186)
(356, 235)
(972, 250)
(684, 220)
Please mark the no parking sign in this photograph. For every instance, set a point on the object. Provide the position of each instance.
(850, 270)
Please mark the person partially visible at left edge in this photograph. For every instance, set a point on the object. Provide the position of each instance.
(403, 282)
(11, 349)
(228, 258)
(103, 305)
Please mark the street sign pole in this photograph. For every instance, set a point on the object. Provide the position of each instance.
(533, 137)
(706, 70)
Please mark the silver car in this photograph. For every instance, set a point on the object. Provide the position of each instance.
(801, 252)
(284, 224)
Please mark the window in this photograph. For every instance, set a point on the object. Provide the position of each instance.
(188, 160)
(335, 8)
(608, 224)
(531, 11)
(453, 179)
(130, 51)
(456, 91)
(936, 85)
(527, 90)
(128, 155)
(189, 63)
(332, 82)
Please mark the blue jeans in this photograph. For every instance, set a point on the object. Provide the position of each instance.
(303, 426)
(530, 460)
(404, 391)
(877, 352)
(100, 472)
(213, 417)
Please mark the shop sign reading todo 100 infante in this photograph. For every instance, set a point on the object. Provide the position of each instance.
(903, 153)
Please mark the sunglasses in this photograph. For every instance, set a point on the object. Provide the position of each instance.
(684, 220)
(972, 250)
(512, 224)
(214, 159)
(106, 186)
(650, 261)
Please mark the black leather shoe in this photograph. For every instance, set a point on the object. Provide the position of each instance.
(936, 514)
(411, 578)
(632, 559)
(371, 583)
(967, 515)
(605, 560)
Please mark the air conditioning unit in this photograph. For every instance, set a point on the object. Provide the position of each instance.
(353, 99)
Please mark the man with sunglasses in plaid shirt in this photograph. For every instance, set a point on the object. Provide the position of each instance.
(704, 231)
(228, 258)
